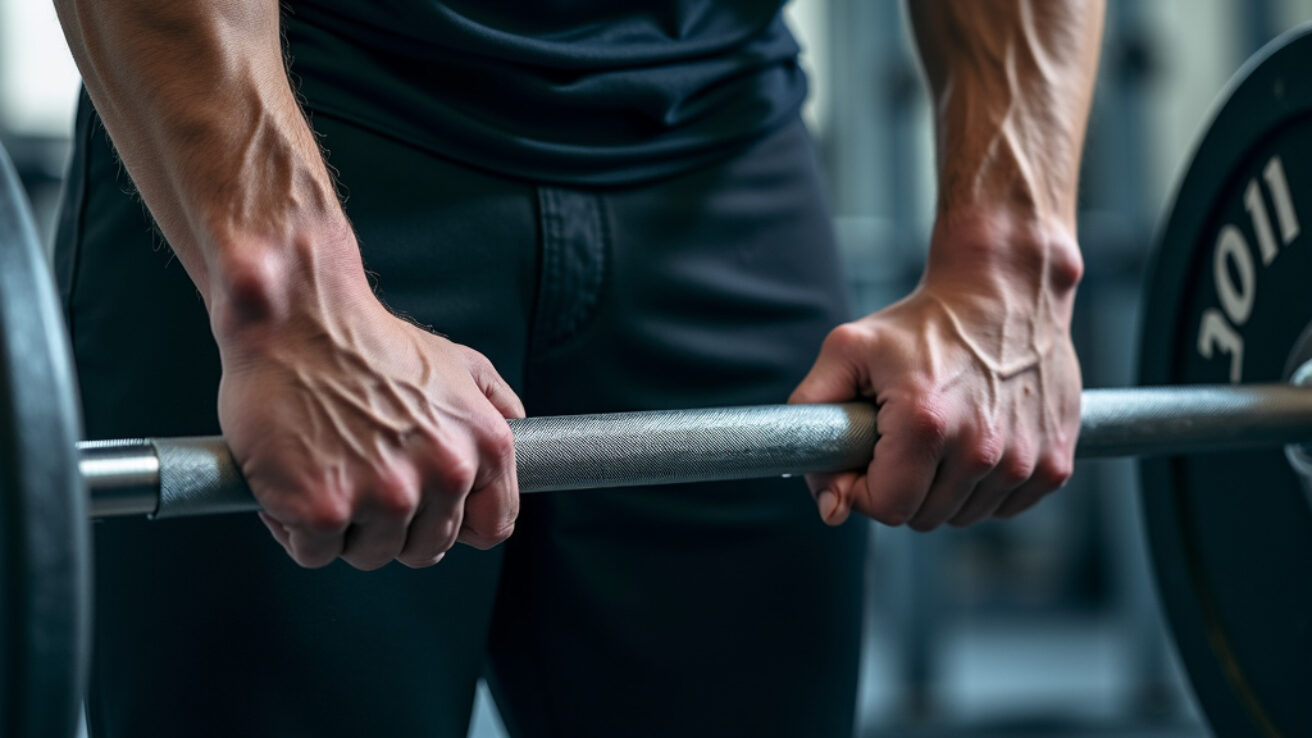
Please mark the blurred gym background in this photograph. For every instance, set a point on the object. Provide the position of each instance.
(1047, 625)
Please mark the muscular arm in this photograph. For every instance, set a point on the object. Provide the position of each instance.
(974, 373)
(361, 435)
(198, 104)
(1011, 82)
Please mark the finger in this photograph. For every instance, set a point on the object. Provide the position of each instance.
(987, 496)
(490, 514)
(311, 532)
(493, 505)
(906, 461)
(831, 380)
(451, 474)
(378, 532)
(837, 375)
(371, 545)
(817, 482)
(1049, 476)
(432, 533)
(1021, 499)
(435, 527)
(493, 387)
(312, 549)
(1013, 471)
(960, 473)
(833, 497)
(834, 377)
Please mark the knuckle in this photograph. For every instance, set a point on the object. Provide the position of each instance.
(475, 361)
(327, 515)
(984, 454)
(846, 337)
(396, 495)
(928, 424)
(457, 473)
(499, 442)
(1017, 466)
(1016, 471)
(1054, 471)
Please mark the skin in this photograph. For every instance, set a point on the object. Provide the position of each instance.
(974, 372)
(361, 435)
(369, 439)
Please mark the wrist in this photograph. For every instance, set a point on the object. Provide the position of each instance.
(1002, 246)
(258, 286)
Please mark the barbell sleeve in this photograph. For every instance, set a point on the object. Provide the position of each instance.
(193, 476)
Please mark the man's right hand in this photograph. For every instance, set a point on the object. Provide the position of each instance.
(365, 437)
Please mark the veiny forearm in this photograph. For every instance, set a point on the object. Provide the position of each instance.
(1011, 82)
(196, 99)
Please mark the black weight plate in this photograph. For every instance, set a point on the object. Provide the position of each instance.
(44, 595)
(1231, 534)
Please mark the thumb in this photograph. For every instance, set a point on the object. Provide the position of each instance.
(490, 383)
(833, 494)
(831, 379)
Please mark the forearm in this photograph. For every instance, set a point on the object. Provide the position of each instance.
(197, 101)
(1011, 82)
(974, 372)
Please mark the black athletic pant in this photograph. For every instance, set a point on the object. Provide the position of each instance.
(714, 609)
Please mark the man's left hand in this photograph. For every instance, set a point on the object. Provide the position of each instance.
(974, 375)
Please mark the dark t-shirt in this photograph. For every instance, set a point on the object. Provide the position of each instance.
(566, 91)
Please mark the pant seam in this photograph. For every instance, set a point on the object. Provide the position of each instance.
(560, 314)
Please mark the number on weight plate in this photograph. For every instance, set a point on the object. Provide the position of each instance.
(1233, 270)
(1217, 333)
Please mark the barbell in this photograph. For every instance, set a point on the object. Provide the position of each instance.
(173, 477)
(1225, 340)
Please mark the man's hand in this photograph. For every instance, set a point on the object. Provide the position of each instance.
(361, 435)
(365, 437)
(975, 378)
(974, 373)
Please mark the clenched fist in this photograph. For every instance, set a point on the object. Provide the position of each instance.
(975, 379)
(366, 437)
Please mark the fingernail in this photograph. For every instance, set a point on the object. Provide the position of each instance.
(827, 501)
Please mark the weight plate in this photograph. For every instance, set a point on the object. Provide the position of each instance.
(1227, 297)
(44, 595)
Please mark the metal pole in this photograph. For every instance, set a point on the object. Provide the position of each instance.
(194, 476)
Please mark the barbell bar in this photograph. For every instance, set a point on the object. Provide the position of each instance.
(173, 477)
